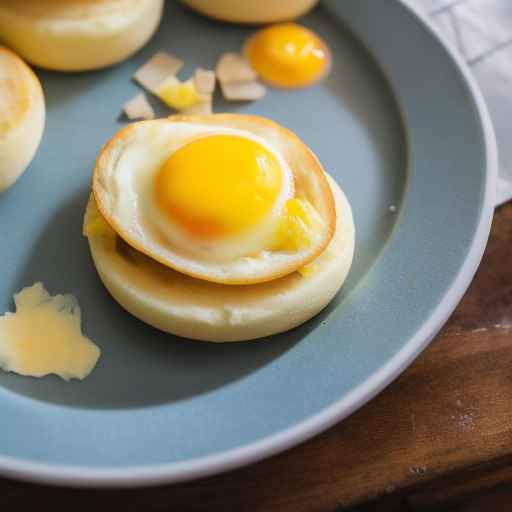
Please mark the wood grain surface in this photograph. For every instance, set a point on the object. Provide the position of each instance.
(440, 433)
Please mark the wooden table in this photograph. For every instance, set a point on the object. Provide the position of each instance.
(439, 434)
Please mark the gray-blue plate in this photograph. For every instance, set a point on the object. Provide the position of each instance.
(398, 123)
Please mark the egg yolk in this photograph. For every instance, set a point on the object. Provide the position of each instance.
(288, 55)
(219, 185)
(179, 95)
(298, 221)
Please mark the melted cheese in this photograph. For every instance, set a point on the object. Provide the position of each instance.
(44, 336)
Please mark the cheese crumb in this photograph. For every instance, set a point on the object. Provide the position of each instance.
(238, 81)
(234, 67)
(204, 80)
(199, 109)
(138, 108)
(243, 91)
(158, 69)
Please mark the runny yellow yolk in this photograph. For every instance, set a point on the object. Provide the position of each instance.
(219, 185)
(298, 222)
(288, 55)
(179, 95)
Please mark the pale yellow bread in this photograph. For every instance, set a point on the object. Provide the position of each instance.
(252, 11)
(201, 310)
(78, 35)
(22, 115)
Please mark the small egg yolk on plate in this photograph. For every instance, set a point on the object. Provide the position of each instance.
(219, 185)
(288, 55)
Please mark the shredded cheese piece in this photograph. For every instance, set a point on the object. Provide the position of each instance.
(233, 68)
(158, 69)
(204, 80)
(243, 91)
(138, 108)
(199, 109)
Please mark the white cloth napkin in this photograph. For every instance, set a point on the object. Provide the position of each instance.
(481, 30)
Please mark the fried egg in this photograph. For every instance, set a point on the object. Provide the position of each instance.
(22, 116)
(226, 198)
(202, 310)
(77, 35)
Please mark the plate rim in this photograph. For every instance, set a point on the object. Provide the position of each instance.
(88, 476)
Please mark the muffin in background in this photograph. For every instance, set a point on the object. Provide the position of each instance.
(252, 11)
(78, 35)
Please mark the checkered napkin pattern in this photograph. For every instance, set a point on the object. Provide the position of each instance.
(481, 31)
